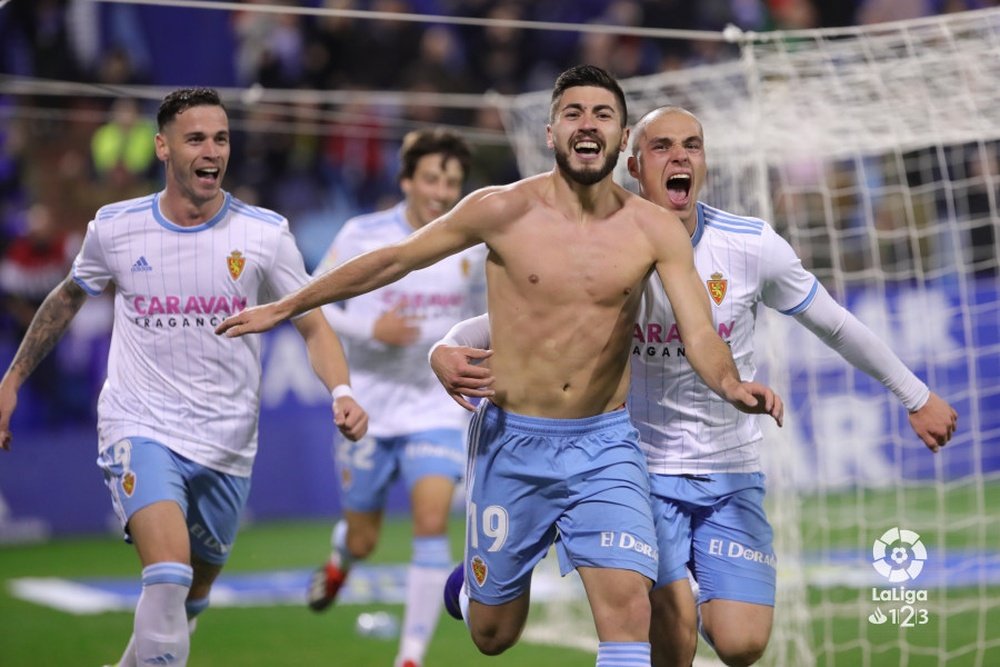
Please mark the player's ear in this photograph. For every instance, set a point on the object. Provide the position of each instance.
(633, 167)
(549, 141)
(162, 152)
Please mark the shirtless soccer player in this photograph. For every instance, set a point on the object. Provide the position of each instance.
(554, 451)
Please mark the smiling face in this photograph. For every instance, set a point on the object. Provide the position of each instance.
(194, 146)
(668, 160)
(586, 133)
(433, 189)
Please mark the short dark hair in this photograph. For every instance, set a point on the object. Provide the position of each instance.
(183, 99)
(418, 143)
(587, 75)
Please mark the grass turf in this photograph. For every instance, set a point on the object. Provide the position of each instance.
(33, 635)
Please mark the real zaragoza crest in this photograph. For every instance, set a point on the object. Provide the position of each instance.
(479, 570)
(717, 288)
(128, 483)
(235, 262)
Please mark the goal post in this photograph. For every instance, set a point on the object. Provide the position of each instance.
(875, 151)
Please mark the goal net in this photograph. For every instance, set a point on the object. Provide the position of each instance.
(876, 152)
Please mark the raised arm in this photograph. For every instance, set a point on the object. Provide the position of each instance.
(707, 353)
(931, 417)
(455, 231)
(47, 327)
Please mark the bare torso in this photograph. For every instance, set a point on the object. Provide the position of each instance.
(563, 292)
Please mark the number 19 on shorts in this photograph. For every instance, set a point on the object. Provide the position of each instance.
(495, 524)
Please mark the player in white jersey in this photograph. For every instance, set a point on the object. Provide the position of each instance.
(177, 416)
(415, 433)
(702, 454)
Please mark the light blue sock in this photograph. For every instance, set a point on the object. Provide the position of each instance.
(623, 654)
(193, 608)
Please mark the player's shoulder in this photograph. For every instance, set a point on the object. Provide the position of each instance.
(496, 205)
(725, 222)
(256, 214)
(367, 223)
(650, 216)
(119, 210)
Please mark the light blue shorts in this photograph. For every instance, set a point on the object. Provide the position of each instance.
(533, 480)
(715, 526)
(369, 466)
(140, 472)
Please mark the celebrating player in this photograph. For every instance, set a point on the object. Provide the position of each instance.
(554, 451)
(177, 417)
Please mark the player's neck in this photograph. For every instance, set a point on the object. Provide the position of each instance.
(186, 212)
(580, 200)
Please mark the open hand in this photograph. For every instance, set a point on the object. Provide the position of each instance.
(251, 320)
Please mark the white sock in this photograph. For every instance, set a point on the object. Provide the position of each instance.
(340, 556)
(191, 607)
(463, 604)
(428, 572)
(161, 626)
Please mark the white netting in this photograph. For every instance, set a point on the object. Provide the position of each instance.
(874, 151)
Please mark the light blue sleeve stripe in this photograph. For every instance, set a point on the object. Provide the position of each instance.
(86, 288)
(804, 303)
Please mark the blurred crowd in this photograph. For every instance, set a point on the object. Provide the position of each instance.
(63, 155)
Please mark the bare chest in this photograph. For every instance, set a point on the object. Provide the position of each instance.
(563, 262)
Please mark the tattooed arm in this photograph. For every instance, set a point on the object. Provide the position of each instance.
(46, 328)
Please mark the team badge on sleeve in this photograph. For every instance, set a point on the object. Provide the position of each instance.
(717, 288)
(235, 263)
(479, 570)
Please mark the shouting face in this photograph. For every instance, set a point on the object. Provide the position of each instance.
(668, 160)
(586, 134)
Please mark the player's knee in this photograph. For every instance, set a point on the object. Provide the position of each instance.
(740, 652)
(494, 640)
(361, 544)
(624, 616)
(430, 526)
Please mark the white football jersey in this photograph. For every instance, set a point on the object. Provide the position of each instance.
(396, 384)
(170, 378)
(685, 427)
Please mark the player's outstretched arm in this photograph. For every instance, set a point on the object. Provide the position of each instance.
(932, 418)
(458, 229)
(47, 327)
